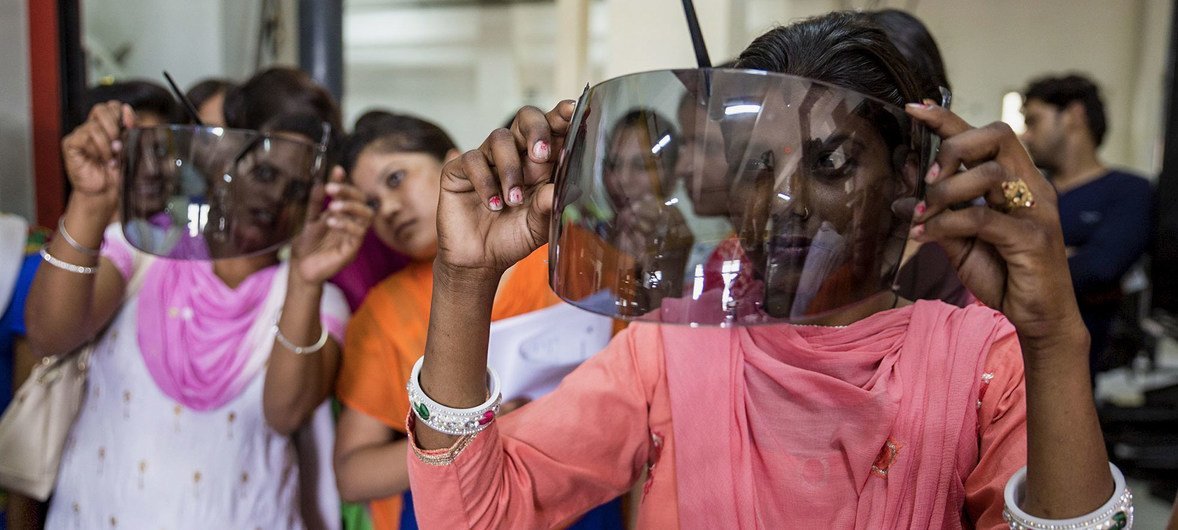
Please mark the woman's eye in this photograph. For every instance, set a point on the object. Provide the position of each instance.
(394, 179)
(833, 160)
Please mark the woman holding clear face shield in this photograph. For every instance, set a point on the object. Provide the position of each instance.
(855, 409)
(201, 369)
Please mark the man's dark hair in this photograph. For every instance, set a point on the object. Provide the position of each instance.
(1061, 91)
(142, 96)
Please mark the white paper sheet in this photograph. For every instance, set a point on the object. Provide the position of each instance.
(533, 352)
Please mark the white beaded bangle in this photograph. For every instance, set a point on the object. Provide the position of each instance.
(65, 266)
(73, 243)
(455, 422)
(300, 350)
(1117, 513)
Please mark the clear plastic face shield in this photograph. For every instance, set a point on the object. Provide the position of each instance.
(192, 192)
(732, 197)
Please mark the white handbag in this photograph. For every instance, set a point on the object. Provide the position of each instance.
(33, 429)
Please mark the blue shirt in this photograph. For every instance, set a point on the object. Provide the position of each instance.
(12, 325)
(1107, 224)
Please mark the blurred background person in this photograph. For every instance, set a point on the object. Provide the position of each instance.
(1105, 213)
(396, 160)
(153, 104)
(208, 96)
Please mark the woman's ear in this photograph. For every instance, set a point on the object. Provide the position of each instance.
(452, 154)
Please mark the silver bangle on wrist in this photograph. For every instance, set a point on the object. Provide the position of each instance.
(1116, 514)
(447, 420)
(72, 242)
(66, 266)
(299, 350)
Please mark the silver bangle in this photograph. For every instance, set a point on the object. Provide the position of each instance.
(1117, 513)
(71, 242)
(76, 269)
(455, 422)
(300, 350)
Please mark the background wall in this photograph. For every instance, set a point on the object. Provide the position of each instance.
(16, 149)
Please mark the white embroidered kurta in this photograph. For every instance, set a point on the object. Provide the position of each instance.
(138, 459)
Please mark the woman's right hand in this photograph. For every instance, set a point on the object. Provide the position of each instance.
(92, 153)
(496, 200)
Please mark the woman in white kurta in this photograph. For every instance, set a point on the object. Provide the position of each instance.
(201, 370)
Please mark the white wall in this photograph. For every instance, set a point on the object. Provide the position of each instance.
(183, 37)
(16, 165)
(991, 47)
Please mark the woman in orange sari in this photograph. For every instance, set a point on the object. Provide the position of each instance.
(396, 161)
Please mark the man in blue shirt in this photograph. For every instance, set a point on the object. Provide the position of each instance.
(1105, 213)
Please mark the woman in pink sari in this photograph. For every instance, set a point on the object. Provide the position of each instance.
(886, 414)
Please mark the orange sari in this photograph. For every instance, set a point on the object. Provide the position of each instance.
(388, 333)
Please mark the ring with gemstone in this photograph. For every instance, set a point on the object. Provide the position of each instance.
(1017, 194)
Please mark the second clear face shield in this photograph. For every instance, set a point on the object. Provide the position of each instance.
(732, 197)
(201, 193)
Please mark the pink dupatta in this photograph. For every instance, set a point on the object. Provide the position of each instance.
(868, 426)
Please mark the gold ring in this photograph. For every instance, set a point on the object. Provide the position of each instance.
(1018, 195)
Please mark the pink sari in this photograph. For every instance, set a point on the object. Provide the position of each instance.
(878, 416)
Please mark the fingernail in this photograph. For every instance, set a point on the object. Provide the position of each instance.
(515, 196)
(112, 163)
(920, 106)
(116, 146)
(333, 222)
(333, 187)
(934, 171)
(336, 206)
(920, 208)
(928, 103)
(495, 203)
(916, 232)
(540, 151)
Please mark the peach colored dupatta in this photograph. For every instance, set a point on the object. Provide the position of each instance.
(868, 426)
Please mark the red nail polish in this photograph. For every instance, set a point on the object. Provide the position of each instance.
(920, 208)
(496, 203)
(917, 232)
(541, 150)
(515, 196)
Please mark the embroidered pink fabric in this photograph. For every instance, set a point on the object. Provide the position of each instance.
(808, 410)
(910, 376)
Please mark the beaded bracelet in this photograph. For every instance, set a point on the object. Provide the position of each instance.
(66, 266)
(72, 242)
(1116, 514)
(455, 422)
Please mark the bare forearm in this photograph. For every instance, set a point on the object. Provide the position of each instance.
(1067, 466)
(297, 384)
(62, 311)
(454, 372)
(373, 472)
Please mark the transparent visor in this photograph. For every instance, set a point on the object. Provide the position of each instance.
(732, 197)
(198, 193)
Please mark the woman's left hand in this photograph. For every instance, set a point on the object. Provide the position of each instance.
(332, 234)
(1012, 258)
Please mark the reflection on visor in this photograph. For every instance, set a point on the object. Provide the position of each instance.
(194, 192)
(731, 197)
